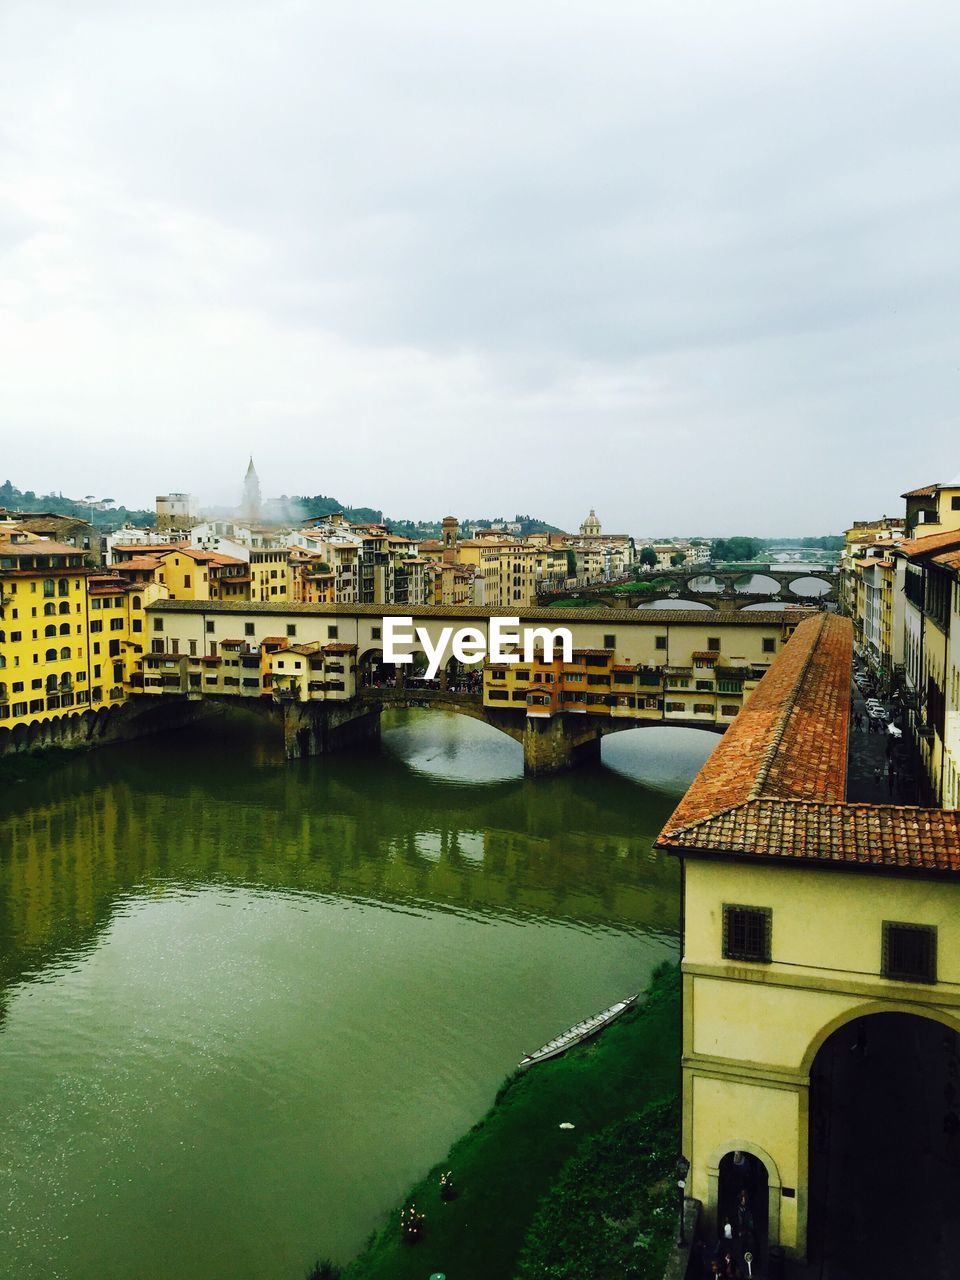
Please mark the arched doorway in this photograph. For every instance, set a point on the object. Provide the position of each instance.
(743, 1190)
(885, 1148)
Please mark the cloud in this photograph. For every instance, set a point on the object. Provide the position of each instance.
(692, 265)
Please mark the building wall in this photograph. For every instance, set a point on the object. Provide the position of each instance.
(751, 1031)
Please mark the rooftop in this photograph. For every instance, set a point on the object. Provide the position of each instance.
(775, 787)
(658, 618)
(925, 545)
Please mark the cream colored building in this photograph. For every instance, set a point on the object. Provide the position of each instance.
(803, 915)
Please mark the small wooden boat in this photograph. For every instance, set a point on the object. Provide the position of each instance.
(576, 1035)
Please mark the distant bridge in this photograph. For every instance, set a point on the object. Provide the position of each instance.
(676, 583)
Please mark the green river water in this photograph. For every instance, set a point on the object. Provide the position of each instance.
(244, 1004)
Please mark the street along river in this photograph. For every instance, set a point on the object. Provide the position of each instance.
(244, 1004)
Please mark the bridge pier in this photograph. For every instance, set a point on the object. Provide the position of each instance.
(554, 745)
(311, 729)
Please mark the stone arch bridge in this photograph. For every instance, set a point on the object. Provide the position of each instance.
(676, 582)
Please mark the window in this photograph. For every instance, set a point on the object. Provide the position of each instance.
(116, 624)
(375, 633)
(96, 625)
(713, 644)
(158, 624)
(332, 632)
(769, 644)
(747, 933)
(909, 952)
(729, 709)
(609, 642)
(955, 504)
(291, 629)
(210, 628)
(661, 642)
(248, 628)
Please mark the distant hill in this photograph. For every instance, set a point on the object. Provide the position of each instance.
(105, 513)
(101, 512)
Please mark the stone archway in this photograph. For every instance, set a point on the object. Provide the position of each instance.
(774, 1185)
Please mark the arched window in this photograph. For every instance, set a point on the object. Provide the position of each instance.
(50, 630)
(3, 692)
(49, 609)
(64, 586)
(64, 653)
(51, 684)
(136, 602)
(50, 655)
(66, 680)
(3, 661)
(64, 628)
(49, 587)
(64, 606)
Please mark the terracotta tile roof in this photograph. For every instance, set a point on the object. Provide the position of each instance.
(789, 740)
(775, 786)
(927, 491)
(915, 548)
(138, 563)
(705, 655)
(40, 547)
(339, 647)
(949, 559)
(864, 834)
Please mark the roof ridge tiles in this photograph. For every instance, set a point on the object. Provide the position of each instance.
(772, 749)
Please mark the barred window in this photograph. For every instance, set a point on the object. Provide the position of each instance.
(909, 952)
(747, 933)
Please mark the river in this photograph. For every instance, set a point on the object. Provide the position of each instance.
(244, 1004)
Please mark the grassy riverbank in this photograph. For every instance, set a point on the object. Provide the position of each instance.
(506, 1164)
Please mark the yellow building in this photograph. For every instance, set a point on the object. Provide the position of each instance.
(933, 508)
(931, 640)
(45, 665)
(270, 574)
(805, 917)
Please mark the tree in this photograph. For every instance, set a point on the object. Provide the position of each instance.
(678, 557)
(648, 557)
(737, 549)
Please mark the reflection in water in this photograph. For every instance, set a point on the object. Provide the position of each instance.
(810, 586)
(756, 584)
(673, 604)
(247, 1003)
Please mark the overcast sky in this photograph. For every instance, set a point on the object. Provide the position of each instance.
(694, 265)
